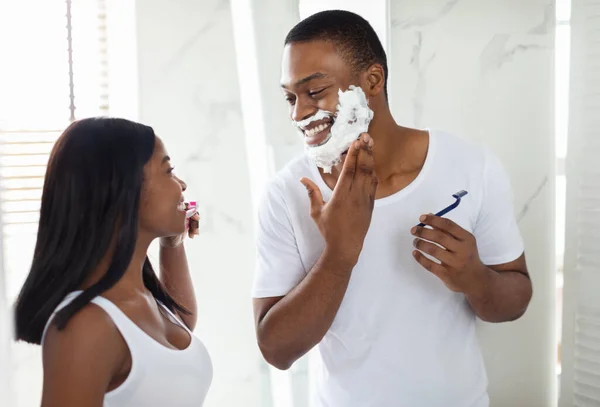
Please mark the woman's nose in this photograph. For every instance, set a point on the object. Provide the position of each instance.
(183, 184)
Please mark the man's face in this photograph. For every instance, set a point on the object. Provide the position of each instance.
(312, 75)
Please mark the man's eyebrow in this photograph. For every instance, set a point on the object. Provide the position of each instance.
(316, 75)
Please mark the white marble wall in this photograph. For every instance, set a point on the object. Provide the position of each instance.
(484, 69)
(189, 93)
(260, 27)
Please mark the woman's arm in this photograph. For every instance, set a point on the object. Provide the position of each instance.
(175, 276)
(175, 273)
(81, 360)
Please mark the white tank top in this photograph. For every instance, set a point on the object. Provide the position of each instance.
(159, 376)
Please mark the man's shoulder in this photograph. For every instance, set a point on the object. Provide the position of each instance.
(458, 151)
(286, 181)
(454, 143)
(298, 166)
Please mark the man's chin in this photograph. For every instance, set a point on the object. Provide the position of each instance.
(337, 168)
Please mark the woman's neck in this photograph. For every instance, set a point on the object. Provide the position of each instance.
(132, 279)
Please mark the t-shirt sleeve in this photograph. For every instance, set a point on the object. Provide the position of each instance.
(498, 237)
(279, 267)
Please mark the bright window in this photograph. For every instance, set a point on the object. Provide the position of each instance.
(54, 70)
(562, 65)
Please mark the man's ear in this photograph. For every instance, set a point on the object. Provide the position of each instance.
(374, 80)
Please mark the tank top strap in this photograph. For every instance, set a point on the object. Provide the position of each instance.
(130, 332)
(128, 329)
(175, 319)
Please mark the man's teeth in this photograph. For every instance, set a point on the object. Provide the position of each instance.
(316, 130)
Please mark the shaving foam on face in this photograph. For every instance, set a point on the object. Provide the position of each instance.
(352, 118)
(320, 115)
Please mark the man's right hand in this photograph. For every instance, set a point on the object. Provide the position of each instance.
(289, 326)
(345, 219)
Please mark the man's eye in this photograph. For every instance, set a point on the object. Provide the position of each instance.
(315, 93)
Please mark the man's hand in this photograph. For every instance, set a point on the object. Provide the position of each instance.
(345, 219)
(461, 268)
(288, 326)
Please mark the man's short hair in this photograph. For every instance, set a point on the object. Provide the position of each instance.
(353, 37)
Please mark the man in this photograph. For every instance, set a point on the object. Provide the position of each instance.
(391, 305)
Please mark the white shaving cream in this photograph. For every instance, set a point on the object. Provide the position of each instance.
(352, 118)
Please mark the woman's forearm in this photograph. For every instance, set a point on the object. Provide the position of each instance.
(175, 276)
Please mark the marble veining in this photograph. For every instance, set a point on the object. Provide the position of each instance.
(548, 21)
(188, 45)
(185, 48)
(208, 135)
(525, 209)
(497, 52)
(425, 20)
(421, 68)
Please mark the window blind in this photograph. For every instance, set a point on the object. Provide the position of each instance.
(580, 382)
(61, 75)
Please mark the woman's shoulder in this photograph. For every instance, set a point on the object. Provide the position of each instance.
(90, 338)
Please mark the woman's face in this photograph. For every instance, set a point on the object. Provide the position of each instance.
(162, 212)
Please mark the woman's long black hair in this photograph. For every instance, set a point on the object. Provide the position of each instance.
(91, 196)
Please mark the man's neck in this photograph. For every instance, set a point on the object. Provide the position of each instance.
(394, 148)
(390, 140)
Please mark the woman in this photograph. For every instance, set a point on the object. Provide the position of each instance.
(113, 333)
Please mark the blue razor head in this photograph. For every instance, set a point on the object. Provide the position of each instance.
(460, 194)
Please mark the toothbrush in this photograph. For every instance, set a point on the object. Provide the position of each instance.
(189, 212)
(191, 209)
(457, 196)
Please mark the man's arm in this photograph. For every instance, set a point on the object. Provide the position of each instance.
(503, 292)
(482, 265)
(497, 293)
(289, 326)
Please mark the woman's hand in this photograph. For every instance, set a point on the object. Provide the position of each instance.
(192, 229)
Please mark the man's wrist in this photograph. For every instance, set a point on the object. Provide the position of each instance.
(480, 285)
(339, 259)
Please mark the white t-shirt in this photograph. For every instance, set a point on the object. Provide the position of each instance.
(400, 337)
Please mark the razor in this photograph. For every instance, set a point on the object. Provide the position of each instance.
(458, 196)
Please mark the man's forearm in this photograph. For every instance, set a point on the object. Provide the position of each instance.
(299, 321)
(175, 276)
(500, 296)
